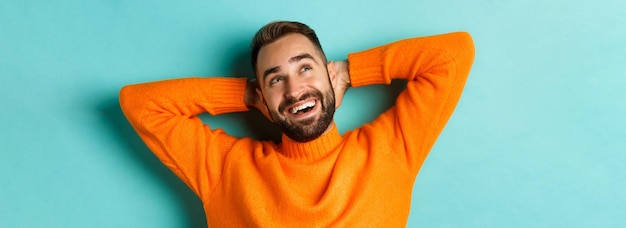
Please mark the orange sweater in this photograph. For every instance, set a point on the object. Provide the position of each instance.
(361, 179)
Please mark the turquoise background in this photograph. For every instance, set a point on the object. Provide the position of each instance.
(538, 138)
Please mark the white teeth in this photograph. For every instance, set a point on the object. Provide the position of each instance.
(302, 106)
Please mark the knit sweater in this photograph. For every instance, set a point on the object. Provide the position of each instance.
(361, 179)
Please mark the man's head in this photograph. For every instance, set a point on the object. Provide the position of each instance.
(295, 81)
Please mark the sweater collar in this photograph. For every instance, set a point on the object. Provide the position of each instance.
(314, 149)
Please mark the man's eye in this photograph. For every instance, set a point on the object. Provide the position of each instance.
(305, 68)
(276, 80)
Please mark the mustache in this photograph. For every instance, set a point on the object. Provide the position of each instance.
(292, 100)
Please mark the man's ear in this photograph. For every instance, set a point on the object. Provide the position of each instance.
(332, 73)
(259, 94)
(263, 106)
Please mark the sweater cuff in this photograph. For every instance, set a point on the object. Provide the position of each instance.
(366, 68)
(227, 95)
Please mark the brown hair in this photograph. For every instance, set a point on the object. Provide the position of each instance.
(276, 30)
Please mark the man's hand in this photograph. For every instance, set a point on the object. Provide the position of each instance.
(252, 98)
(342, 80)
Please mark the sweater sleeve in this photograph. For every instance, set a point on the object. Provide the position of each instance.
(436, 68)
(164, 115)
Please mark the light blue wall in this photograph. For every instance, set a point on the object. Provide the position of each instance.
(538, 139)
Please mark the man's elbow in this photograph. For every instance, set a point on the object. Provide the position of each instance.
(465, 49)
(128, 100)
(465, 43)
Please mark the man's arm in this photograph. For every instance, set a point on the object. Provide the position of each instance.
(436, 68)
(164, 115)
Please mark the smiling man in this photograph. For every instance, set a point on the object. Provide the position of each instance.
(295, 82)
(314, 177)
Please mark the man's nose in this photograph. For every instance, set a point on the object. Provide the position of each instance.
(295, 87)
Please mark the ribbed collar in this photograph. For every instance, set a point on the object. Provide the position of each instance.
(312, 150)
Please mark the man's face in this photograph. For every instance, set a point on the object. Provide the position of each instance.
(295, 85)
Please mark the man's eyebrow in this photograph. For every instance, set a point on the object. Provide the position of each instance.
(300, 57)
(270, 71)
(294, 59)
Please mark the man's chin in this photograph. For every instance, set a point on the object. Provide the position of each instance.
(304, 122)
(302, 136)
(304, 132)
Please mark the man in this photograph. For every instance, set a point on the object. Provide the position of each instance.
(315, 176)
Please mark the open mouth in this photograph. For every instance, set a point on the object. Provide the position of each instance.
(302, 109)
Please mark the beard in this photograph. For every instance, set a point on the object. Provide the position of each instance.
(312, 128)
